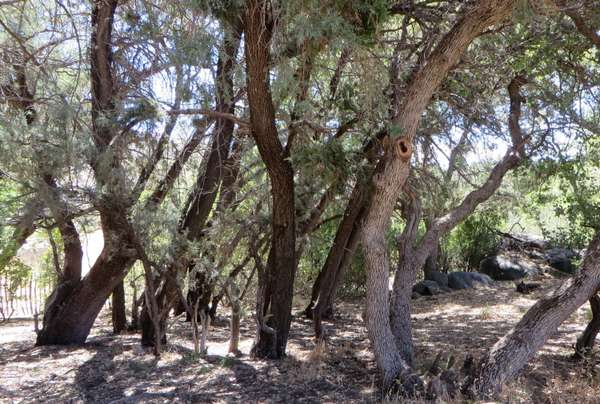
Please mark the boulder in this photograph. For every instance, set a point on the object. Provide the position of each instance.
(460, 280)
(467, 280)
(561, 252)
(481, 278)
(560, 259)
(502, 268)
(439, 277)
(563, 265)
(427, 288)
(532, 241)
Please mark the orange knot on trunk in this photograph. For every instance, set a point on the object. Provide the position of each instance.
(403, 148)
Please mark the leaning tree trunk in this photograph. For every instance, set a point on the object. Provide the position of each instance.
(413, 258)
(207, 185)
(331, 280)
(277, 284)
(338, 249)
(393, 169)
(119, 319)
(331, 293)
(73, 306)
(512, 352)
(585, 343)
(344, 246)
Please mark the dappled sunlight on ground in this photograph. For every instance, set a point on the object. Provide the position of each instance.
(111, 368)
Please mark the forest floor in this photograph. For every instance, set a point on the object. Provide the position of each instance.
(113, 368)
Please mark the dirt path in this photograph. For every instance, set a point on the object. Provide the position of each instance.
(115, 369)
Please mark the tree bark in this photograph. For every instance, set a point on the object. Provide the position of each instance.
(236, 314)
(512, 352)
(585, 343)
(413, 256)
(202, 198)
(393, 169)
(333, 273)
(119, 320)
(74, 304)
(276, 287)
(344, 245)
(324, 284)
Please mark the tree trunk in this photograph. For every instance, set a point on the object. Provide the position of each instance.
(431, 263)
(512, 352)
(236, 314)
(393, 169)
(135, 313)
(344, 245)
(202, 198)
(275, 301)
(322, 288)
(412, 258)
(73, 307)
(332, 279)
(119, 319)
(585, 343)
(75, 304)
(400, 315)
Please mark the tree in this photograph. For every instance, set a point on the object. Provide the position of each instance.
(393, 169)
(274, 297)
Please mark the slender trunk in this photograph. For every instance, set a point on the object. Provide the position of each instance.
(512, 352)
(236, 314)
(202, 198)
(274, 303)
(345, 242)
(332, 279)
(205, 321)
(400, 315)
(351, 248)
(322, 288)
(119, 320)
(135, 314)
(585, 343)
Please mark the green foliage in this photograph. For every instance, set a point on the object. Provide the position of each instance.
(355, 281)
(15, 273)
(327, 162)
(474, 239)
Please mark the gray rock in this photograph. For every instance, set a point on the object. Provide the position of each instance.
(460, 280)
(439, 277)
(531, 240)
(561, 259)
(561, 252)
(481, 278)
(468, 280)
(563, 265)
(427, 288)
(502, 268)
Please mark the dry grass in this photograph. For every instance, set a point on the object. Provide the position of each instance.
(115, 368)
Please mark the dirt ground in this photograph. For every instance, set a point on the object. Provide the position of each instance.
(115, 369)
